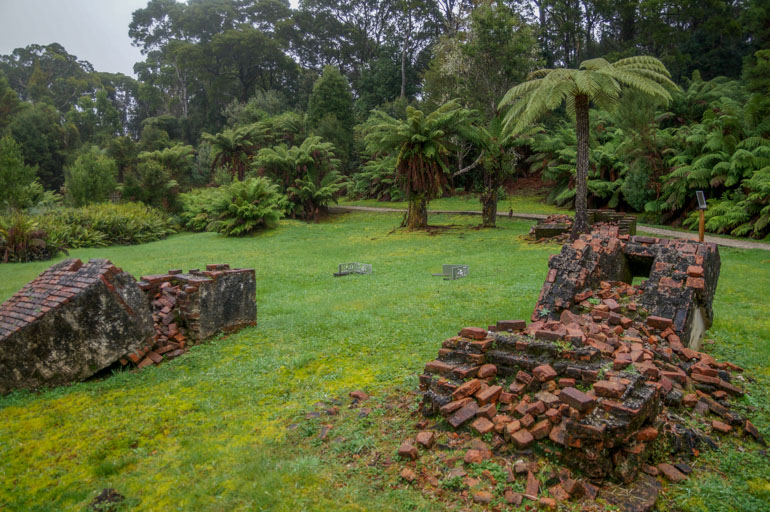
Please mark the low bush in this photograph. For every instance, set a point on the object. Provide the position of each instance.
(103, 224)
(238, 209)
(22, 240)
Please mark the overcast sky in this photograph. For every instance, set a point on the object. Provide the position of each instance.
(93, 30)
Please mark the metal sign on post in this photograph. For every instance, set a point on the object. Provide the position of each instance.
(346, 269)
(701, 209)
(452, 272)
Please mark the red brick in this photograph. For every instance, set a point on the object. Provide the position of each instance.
(487, 370)
(474, 333)
(482, 425)
(647, 434)
(522, 438)
(464, 414)
(724, 428)
(467, 389)
(426, 438)
(566, 383)
(473, 457)
(487, 411)
(488, 395)
(544, 373)
(541, 429)
(408, 450)
(609, 389)
(577, 399)
(532, 487)
(671, 473)
(659, 322)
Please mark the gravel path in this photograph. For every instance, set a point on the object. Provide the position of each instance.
(725, 242)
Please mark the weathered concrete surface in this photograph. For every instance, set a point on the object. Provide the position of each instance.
(70, 322)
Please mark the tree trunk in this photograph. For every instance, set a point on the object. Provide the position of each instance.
(581, 193)
(417, 215)
(489, 208)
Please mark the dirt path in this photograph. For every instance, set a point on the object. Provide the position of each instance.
(670, 233)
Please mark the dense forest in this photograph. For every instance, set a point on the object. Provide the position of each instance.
(245, 111)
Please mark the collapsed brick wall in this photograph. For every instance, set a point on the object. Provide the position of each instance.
(592, 377)
(188, 308)
(70, 322)
(76, 319)
(559, 225)
(682, 277)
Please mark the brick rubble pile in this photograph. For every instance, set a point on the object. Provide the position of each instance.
(593, 378)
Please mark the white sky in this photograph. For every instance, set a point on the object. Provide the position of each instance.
(92, 30)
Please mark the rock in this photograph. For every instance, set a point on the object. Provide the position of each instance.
(483, 497)
(70, 322)
(408, 475)
(577, 399)
(408, 450)
(486, 370)
(671, 473)
(426, 438)
(544, 373)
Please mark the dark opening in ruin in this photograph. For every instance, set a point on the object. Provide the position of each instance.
(639, 267)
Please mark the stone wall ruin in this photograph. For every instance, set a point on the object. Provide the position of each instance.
(76, 319)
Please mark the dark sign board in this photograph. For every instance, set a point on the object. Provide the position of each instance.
(701, 199)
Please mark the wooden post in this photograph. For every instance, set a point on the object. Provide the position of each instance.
(701, 226)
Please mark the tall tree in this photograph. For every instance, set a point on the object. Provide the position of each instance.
(596, 81)
(423, 145)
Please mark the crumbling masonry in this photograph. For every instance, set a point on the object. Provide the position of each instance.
(76, 319)
(600, 361)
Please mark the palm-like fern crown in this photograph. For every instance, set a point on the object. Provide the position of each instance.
(421, 143)
(596, 79)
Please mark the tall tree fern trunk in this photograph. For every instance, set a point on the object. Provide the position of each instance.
(581, 194)
(417, 214)
(489, 200)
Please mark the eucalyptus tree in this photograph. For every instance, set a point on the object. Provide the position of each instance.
(597, 81)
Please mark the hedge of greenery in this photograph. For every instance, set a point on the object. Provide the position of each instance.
(27, 237)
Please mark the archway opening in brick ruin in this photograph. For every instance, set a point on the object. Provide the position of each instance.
(639, 268)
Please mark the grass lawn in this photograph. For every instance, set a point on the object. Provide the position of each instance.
(226, 427)
(519, 202)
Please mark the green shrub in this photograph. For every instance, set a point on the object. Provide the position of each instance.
(105, 224)
(238, 209)
(151, 183)
(91, 179)
(22, 239)
(15, 177)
